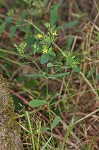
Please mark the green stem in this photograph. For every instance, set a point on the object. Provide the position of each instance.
(30, 129)
(37, 66)
(47, 82)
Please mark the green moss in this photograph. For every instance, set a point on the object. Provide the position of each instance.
(9, 129)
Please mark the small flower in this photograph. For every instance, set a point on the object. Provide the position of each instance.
(45, 50)
(54, 33)
(39, 36)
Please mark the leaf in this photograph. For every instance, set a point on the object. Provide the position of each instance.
(12, 30)
(37, 102)
(2, 27)
(52, 53)
(55, 122)
(69, 42)
(8, 20)
(54, 14)
(97, 77)
(46, 144)
(44, 58)
(44, 129)
(68, 132)
(30, 40)
(76, 69)
(24, 14)
(90, 73)
(34, 75)
(49, 65)
(70, 24)
(59, 75)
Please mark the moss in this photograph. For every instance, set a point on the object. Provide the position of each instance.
(9, 129)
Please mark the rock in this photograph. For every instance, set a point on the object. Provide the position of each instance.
(9, 128)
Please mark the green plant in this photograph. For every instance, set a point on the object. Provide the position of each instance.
(44, 45)
(55, 67)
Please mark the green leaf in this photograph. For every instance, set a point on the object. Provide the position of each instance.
(59, 75)
(12, 30)
(68, 132)
(70, 24)
(90, 73)
(29, 39)
(69, 42)
(55, 122)
(37, 102)
(2, 27)
(34, 75)
(44, 58)
(97, 77)
(49, 65)
(52, 53)
(8, 20)
(46, 144)
(27, 1)
(76, 69)
(54, 14)
(24, 14)
(44, 129)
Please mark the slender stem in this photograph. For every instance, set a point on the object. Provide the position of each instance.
(86, 116)
(47, 83)
(90, 85)
(8, 52)
(37, 66)
(30, 129)
(97, 7)
(39, 131)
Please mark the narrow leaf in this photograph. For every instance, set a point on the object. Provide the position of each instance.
(55, 122)
(76, 69)
(12, 30)
(2, 27)
(34, 75)
(90, 73)
(68, 132)
(54, 14)
(70, 24)
(37, 102)
(59, 75)
(69, 42)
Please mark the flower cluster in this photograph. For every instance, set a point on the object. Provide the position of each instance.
(20, 48)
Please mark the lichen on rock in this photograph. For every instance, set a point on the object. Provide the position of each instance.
(9, 129)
